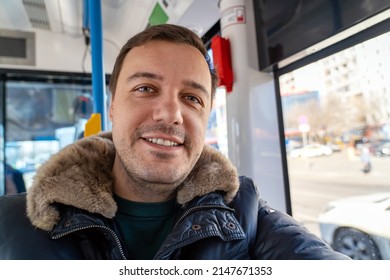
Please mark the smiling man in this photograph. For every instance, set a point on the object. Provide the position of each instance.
(151, 189)
(159, 112)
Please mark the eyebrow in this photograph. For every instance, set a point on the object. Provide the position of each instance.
(144, 75)
(196, 85)
(149, 75)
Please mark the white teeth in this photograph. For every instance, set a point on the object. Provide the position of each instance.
(162, 142)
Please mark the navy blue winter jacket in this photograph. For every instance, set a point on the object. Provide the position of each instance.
(70, 214)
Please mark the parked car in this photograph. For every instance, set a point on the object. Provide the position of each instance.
(358, 226)
(335, 147)
(382, 149)
(311, 150)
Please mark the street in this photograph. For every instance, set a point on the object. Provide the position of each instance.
(316, 181)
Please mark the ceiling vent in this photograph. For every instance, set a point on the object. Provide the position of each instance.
(17, 47)
(37, 14)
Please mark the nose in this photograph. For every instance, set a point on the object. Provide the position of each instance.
(168, 109)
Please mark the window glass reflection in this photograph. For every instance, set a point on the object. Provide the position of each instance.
(42, 118)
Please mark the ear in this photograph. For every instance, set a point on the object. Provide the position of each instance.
(111, 111)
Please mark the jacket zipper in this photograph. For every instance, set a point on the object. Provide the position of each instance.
(110, 231)
(200, 207)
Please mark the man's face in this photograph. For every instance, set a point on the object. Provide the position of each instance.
(160, 112)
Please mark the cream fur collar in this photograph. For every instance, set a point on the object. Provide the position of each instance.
(80, 176)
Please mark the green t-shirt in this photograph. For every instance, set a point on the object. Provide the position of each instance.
(144, 226)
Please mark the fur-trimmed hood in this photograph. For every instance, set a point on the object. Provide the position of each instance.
(80, 175)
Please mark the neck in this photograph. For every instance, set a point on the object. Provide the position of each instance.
(138, 190)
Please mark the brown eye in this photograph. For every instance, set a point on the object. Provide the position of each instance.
(145, 89)
(193, 99)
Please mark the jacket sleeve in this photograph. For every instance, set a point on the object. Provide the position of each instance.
(274, 235)
(20, 240)
(279, 236)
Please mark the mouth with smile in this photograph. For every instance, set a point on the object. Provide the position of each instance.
(162, 137)
(163, 148)
(162, 142)
(167, 142)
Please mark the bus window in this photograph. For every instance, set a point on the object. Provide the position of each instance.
(42, 118)
(2, 165)
(336, 115)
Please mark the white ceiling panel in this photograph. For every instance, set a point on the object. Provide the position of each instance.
(121, 18)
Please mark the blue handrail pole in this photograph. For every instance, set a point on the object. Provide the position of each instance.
(86, 14)
(98, 75)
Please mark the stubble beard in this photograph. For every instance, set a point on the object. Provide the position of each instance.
(145, 180)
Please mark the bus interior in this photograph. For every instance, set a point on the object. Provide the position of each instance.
(307, 106)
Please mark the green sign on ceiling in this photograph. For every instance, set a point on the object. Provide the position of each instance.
(158, 15)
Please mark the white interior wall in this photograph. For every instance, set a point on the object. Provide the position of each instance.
(253, 135)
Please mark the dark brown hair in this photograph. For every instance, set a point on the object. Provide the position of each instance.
(165, 32)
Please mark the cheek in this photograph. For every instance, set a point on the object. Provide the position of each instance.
(122, 115)
(199, 128)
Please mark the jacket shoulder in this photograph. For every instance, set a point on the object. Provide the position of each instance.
(12, 206)
(248, 196)
(19, 239)
(13, 224)
(274, 234)
(248, 189)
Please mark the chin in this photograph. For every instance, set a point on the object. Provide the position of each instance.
(166, 177)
